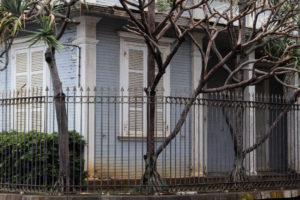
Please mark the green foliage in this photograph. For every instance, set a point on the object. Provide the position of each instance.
(46, 33)
(163, 5)
(277, 47)
(12, 14)
(12, 18)
(33, 158)
(15, 7)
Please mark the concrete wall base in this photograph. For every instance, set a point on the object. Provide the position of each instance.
(178, 196)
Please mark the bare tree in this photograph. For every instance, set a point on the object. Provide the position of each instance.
(245, 37)
(14, 14)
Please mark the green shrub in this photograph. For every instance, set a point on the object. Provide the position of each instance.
(33, 158)
(163, 5)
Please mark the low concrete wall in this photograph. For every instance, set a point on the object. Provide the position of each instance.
(178, 196)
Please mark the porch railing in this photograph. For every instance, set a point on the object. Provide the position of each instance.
(108, 141)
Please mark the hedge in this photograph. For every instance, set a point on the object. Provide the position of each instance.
(32, 158)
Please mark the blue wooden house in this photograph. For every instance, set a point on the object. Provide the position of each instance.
(100, 53)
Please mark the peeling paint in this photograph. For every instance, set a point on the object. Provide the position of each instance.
(277, 195)
(246, 196)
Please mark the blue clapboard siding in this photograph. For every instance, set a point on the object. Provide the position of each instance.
(107, 3)
(220, 156)
(67, 59)
(5, 77)
(112, 152)
(4, 86)
(124, 158)
(108, 53)
(181, 71)
(114, 158)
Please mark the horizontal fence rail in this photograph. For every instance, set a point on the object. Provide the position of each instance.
(107, 141)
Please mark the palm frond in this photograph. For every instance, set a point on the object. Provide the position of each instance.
(15, 7)
(12, 14)
(46, 33)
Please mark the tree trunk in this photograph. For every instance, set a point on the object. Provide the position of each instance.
(152, 181)
(62, 123)
(151, 95)
(238, 172)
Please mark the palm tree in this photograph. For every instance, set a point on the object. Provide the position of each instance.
(14, 14)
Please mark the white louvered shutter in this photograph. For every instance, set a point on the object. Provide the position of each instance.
(36, 83)
(21, 59)
(135, 84)
(159, 109)
(21, 70)
(37, 60)
(133, 75)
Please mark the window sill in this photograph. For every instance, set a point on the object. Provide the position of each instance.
(139, 137)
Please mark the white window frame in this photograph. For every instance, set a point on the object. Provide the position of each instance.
(22, 46)
(131, 41)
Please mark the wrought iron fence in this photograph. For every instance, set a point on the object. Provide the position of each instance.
(107, 141)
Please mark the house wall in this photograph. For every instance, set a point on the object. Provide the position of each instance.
(66, 59)
(111, 150)
(5, 77)
(4, 86)
(67, 63)
(219, 156)
(274, 153)
(108, 2)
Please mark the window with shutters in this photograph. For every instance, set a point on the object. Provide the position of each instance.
(133, 79)
(28, 79)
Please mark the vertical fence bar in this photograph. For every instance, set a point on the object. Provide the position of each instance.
(10, 142)
(101, 138)
(135, 133)
(73, 147)
(128, 137)
(176, 149)
(95, 138)
(165, 129)
(46, 123)
(193, 143)
(108, 137)
(185, 138)
(122, 136)
(2, 134)
(81, 135)
(53, 141)
(143, 128)
(40, 139)
(115, 101)
(87, 136)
